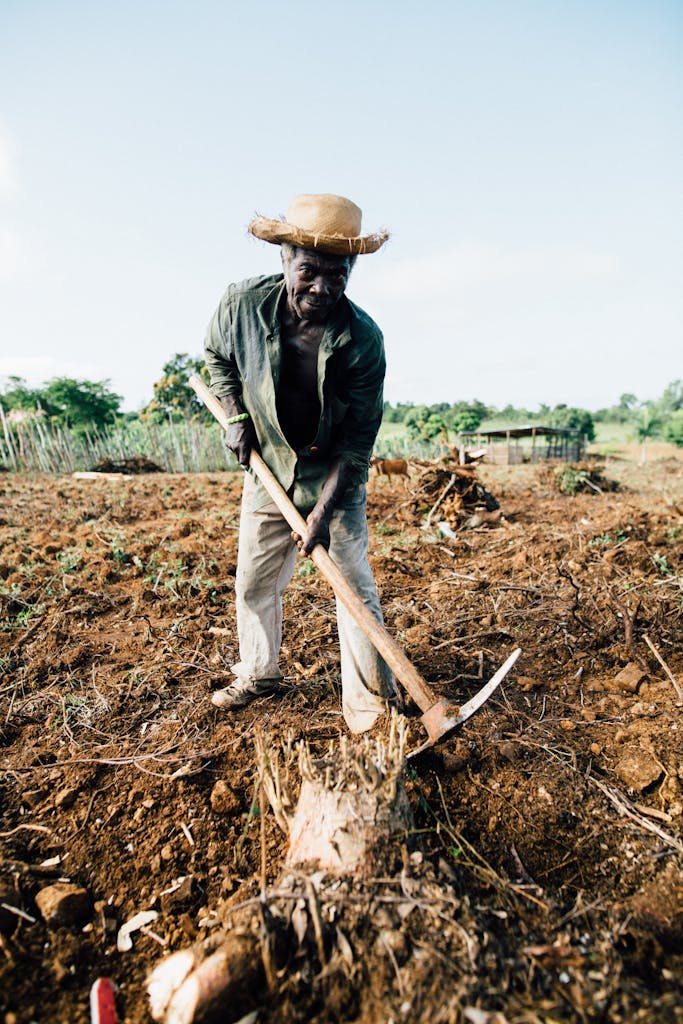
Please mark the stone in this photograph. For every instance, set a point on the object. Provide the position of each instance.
(63, 903)
(223, 799)
(528, 683)
(33, 797)
(66, 798)
(628, 680)
(638, 768)
(178, 894)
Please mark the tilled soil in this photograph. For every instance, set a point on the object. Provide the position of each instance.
(544, 880)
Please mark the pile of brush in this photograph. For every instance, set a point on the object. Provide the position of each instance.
(130, 466)
(451, 495)
(579, 477)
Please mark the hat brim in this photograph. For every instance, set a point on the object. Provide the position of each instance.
(279, 231)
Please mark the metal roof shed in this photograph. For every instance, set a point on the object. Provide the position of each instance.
(532, 442)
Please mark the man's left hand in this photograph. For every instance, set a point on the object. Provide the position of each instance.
(317, 532)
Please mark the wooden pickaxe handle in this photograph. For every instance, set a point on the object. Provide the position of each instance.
(384, 643)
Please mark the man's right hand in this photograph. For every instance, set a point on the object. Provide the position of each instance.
(240, 437)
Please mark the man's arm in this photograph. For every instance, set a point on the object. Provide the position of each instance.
(240, 436)
(364, 393)
(318, 521)
(351, 453)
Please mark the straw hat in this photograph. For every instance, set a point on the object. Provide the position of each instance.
(329, 224)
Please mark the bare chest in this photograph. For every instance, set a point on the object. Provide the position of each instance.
(299, 369)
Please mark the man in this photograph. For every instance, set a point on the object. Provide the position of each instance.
(299, 371)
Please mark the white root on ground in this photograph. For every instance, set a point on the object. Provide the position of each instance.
(185, 988)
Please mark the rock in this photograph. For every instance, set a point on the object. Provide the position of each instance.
(527, 683)
(66, 798)
(628, 680)
(223, 798)
(638, 768)
(177, 894)
(63, 903)
(33, 797)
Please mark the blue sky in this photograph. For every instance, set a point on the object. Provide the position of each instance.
(526, 156)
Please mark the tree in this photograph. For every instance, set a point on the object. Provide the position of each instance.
(466, 419)
(627, 401)
(673, 428)
(173, 396)
(574, 419)
(424, 424)
(81, 403)
(75, 403)
(647, 426)
(18, 395)
(672, 398)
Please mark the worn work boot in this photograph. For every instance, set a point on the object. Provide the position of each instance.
(242, 692)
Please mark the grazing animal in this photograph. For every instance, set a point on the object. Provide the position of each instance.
(385, 467)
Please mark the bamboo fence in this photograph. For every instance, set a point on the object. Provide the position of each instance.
(192, 445)
(37, 445)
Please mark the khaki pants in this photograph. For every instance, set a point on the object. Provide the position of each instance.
(265, 564)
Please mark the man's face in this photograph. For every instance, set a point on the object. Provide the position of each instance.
(315, 282)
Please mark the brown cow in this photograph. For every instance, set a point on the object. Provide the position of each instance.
(385, 467)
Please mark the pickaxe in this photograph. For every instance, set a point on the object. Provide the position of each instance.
(438, 717)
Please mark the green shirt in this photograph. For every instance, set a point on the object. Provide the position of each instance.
(243, 354)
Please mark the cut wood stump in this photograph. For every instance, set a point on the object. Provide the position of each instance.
(351, 801)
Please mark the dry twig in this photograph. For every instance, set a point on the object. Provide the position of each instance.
(664, 665)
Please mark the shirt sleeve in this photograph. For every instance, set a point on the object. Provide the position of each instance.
(356, 434)
(219, 352)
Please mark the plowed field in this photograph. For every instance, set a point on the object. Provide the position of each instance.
(552, 821)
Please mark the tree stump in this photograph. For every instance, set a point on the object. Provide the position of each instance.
(351, 801)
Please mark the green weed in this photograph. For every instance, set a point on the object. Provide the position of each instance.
(69, 560)
(661, 563)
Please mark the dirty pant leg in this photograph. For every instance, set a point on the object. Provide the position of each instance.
(367, 681)
(265, 562)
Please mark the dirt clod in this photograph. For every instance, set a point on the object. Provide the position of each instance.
(223, 798)
(638, 769)
(63, 904)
